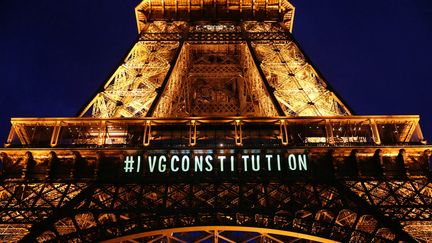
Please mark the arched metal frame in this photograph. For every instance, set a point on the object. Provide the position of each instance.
(325, 209)
(215, 232)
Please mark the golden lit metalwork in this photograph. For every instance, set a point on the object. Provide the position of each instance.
(218, 77)
(215, 80)
(214, 10)
(181, 69)
(130, 91)
(293, 131)
(220, 233)
(298, 87)
(71, 191)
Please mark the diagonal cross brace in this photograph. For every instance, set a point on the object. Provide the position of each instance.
(59, 213)
(270, 90)
(167, 77)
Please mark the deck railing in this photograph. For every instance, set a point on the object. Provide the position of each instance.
(210, 132)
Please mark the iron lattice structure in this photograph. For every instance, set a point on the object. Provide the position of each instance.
(332, 202)
(224, 78)
(181, 69)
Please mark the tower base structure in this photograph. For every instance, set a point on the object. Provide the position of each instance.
(87, 187)
(216, 127)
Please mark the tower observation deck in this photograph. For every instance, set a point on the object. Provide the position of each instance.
(216, 127)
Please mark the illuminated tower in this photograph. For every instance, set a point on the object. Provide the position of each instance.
(216, 128)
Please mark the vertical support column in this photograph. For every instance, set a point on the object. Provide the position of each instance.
(238, 135)
(283, 132)
(270, 90)
(149, 7)
(147, 133)
(55, 134)
(227, 6)
(329, 132)
(164, 85)
(102, 133)
(241, 94)
(419, 134)
(22, 134)
(10, 137)
(253, 8)
(163, 7)
(192, 133)
(375, 132)
(189, 6)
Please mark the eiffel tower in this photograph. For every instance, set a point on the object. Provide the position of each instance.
(216, 127)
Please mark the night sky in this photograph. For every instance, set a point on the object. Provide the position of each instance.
(377, 54)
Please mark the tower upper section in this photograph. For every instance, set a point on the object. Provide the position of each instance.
(214, 10)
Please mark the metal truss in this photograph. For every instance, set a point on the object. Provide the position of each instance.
(223, 69)
(230, 234)
(222, 76)
(132, 88)
(23, 204)
(407, 201)
(212, 10)
(107, 211)
(173, 99)
(298, 87)
(64, 196)
(213, 81)
(130, 91)
(279, 130)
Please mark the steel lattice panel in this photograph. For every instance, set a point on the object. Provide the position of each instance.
(105, 211)
(239, 85)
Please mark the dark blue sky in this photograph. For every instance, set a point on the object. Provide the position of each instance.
(54, 55)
